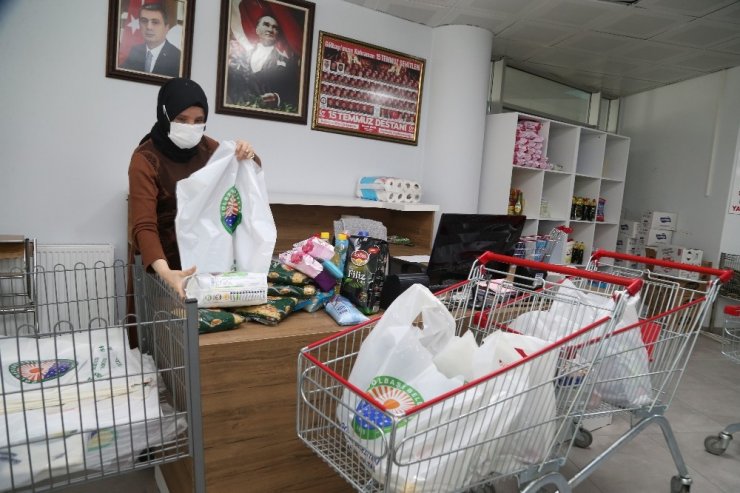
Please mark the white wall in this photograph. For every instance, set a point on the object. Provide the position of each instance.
(68, 131)
(673, 138)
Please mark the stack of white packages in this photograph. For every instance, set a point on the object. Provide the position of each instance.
(80, 402)
(388, 189)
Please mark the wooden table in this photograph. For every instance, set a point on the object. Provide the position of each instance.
(248, 395)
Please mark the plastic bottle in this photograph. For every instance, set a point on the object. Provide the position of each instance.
(325, 235)
(341, 245)
(519, 205)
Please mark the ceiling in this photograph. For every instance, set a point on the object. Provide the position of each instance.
(597, 45)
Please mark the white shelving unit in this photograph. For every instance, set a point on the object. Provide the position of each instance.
(588, 163)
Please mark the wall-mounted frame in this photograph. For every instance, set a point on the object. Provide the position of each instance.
(367, 91)
(149, 41)
(264, 59)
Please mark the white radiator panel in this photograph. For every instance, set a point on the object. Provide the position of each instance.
(75, 288)
(49, 256)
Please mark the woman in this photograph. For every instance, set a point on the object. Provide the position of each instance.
(174, 149)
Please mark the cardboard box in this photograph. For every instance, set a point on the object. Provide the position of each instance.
(659, 220)
(630, 228)
(632, 246)
(675, 253)
(658, 237)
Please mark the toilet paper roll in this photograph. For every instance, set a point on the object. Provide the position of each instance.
(388, 189)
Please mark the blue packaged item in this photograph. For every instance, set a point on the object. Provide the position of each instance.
(341, 245)
(313, 303)
(332, 269)
(344, 312)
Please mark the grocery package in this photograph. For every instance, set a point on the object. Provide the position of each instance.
(344, 312)
(367, 259)
(217, 320)
(227, 289)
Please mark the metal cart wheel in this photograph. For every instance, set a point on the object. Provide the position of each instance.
(716, 444)
(680, 485)
(583, 438)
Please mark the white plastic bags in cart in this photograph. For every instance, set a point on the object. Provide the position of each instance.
(439, 449)
(223, 216)
(622, 373)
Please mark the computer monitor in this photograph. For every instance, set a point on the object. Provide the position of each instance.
(462, 238)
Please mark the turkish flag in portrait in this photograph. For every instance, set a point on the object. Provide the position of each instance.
(289, 19)
(129, 28)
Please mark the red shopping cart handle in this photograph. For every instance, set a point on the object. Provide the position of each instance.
(632, 285)
(732, 310)
(723, 275)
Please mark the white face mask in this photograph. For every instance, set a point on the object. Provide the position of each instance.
(186, 136)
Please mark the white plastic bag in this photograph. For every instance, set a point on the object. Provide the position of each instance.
(223, 220)
(623, 372)
(531, 414)
(435, 449)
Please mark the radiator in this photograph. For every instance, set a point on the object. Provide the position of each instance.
(49, 256)
(75, 288)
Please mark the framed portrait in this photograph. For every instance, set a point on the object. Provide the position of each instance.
(264, 59)
(367, 91)
(149, 40)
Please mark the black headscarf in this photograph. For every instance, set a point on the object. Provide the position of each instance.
(176, 95)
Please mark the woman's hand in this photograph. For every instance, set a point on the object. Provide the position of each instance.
(244, 150)
(174, 278)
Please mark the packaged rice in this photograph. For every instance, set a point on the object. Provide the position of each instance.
(217, 320)
(270, 313)
(305, 291)
(283, 274)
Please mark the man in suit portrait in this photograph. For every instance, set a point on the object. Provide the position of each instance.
(155, 55)
(262, 74)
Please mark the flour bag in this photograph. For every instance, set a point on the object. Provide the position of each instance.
(224, 222)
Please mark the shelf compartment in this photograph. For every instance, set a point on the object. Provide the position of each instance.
(605, 236)
(556, 191)
(615, 157)
(562, 145)
(591, 149)
(613, 192)
(530, 182)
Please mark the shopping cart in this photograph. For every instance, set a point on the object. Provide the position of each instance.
(77, 403)
(540, 247)
(639, 372)
(515, 423)
(717, 444)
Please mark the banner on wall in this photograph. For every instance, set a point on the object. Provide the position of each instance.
(735, 192)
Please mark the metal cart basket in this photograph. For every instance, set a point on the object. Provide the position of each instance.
(640, 372)
(516, 422)
(77, 402)
(717, 444)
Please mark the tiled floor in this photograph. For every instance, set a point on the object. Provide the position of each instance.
(708, 399)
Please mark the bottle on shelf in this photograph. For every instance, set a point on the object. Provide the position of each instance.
(519, 204)
(578, 216)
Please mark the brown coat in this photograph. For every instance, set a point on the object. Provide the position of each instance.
(152, 203)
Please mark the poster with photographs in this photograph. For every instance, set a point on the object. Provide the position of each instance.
(367, 91)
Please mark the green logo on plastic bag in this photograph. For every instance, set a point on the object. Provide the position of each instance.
(369, 422)
(231, 210)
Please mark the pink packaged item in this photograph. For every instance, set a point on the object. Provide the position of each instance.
(316, 247)
(310, 266)
(302, 262)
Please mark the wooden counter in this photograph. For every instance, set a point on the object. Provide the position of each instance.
(248, 375)
(248, 395)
